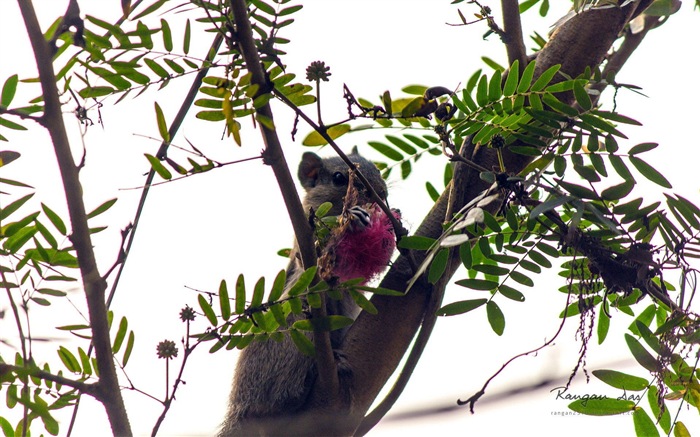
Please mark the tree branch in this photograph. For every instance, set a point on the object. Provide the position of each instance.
(107, 388)
(327, 383)
(20, 114)
(513, 33)
(81, 386)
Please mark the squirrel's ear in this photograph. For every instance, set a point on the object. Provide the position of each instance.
(309, 167)
(354, 151)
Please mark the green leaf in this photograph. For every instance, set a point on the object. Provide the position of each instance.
(640, 354)
(432, 192)
(649, 172)
(386, 150)
(460, 307)
(495, 92)
(69, 360)
(303, 282)
(603, 325)
(6, 427)
(240, 295)
(158, 69)
(582, 97)
(258, 293)
(643, 147)
(7, 210)
(680, 430)
(617, 192)
(129, 348)
(621, 380)
(302, 343)
(9, 89)
(207, 309)
(438, 265)
(478, 284)
(643, 425)
(278, 286)
(263, 6)
(490, 269)
(54, 219)
(177, 68)
(158, 167)
(167, 35)
(616, 117)
(416, 242)
(121, 334)
(601, 407)
(149, 10)
(224, 301)
(162, 126)
(512, 80)
(495, 317)
(402, 145)
(540, 259)
(187, 37)
(526, 78)
(363, 302)
(102, 208)
(290, 10)
(316, 139)
(578, 190)
(620, 167)
(544, 78)
(93, 92)
(482, 97)
(511, 293)
(521, 279)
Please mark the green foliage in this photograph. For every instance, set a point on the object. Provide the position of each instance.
(577, 201)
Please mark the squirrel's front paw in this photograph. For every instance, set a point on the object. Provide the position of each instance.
(359, 218)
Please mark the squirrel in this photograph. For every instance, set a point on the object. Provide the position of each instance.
(273, 379)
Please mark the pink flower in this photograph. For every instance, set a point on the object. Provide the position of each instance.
(365, 252)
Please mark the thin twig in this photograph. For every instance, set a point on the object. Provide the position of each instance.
(169, 400)
(474, 398)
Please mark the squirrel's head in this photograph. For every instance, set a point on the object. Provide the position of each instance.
(326, 180)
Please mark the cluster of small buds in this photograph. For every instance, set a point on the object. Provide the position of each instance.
(318, 71)
(187, 314)
(167, 349)
(497, 142)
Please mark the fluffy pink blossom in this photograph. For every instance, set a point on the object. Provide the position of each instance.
(365, 252)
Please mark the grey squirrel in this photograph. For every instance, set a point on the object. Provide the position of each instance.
(273, 379)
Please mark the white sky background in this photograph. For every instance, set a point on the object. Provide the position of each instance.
(229, 221)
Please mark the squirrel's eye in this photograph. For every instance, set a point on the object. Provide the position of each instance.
(339, 179)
